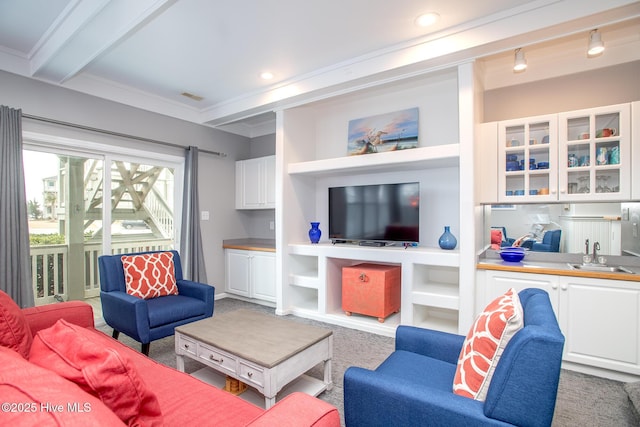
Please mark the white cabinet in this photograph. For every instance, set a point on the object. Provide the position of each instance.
(251, 274)
(582, 155)
(595, 154)
(635, 150)
(601, 323)
(527, 159)
(599, 318)
(256, 183)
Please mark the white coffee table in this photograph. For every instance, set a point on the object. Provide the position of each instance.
(263, 351)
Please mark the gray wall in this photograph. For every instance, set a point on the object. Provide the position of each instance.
(216, 195)
(604, 86)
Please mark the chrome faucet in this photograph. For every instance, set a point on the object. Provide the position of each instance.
(586, 247)
(596, 248)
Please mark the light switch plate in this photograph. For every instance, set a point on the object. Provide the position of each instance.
(204, 215)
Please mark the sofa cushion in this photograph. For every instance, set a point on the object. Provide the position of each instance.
(150, 275)
(484, 344)
(14, 329)
(45, 398)
(76, 354)
(174, 308)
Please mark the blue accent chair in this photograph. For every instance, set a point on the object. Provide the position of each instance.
(413, 386)
(155, 318)
(550, 242)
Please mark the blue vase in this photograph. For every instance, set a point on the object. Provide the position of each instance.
(447, 240)
(314, 232)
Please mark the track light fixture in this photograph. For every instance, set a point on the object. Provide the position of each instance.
(519, 63)
(596, 46)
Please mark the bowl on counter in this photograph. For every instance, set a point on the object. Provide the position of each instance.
(512, 254)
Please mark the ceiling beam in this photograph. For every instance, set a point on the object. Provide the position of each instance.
(85, 30)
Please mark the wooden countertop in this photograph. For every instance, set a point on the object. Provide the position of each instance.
(263, 245)
(559, 269)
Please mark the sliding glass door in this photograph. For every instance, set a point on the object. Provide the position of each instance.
(72, 195)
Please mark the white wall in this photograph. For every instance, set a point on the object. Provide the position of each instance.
(217, 191)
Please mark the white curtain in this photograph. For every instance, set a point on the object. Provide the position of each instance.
(15, 265)
(191, 239)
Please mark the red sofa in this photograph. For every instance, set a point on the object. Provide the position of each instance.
(65, 372)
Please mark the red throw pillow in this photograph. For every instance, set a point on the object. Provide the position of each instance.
(14, 329)
(150, 275)
(75, 353)
(35, 396)
(496, 239)
(485, 342)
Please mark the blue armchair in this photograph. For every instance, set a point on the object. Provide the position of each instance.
(413, 386)
(147, 320)
(550, 242)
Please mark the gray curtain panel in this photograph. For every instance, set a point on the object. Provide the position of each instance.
(191, 238)
(15, 265)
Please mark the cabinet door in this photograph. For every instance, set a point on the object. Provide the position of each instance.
(527, 160)
(237, 272)
(263, 276)
(601, 322)
(595, 154)
(635, 150)
(252, 190)
(499, 282)
(270, 182)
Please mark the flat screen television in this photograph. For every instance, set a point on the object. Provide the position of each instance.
(375, 213)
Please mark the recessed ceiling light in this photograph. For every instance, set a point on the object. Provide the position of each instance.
(266, 75)
(427, 19)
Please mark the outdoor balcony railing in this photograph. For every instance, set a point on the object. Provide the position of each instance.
(49, 267)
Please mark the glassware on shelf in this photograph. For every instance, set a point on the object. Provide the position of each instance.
(583, 185)
(602, 186)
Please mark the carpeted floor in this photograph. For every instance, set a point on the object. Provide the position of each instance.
(583, 400)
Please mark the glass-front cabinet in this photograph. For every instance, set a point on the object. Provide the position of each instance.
(594, 154)
(527, 159)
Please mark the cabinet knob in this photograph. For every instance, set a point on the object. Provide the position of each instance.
(564, 287)
(186, 346)
(212, 357)
(363, 277)
(250, 374)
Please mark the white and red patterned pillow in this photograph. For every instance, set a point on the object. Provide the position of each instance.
(485, 342)
(150, 275)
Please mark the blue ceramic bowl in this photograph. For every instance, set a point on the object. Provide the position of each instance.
(512, 166)
(512, 254)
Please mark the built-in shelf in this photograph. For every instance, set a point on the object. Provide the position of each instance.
(438, 156)
(426, 255)
(303, 281)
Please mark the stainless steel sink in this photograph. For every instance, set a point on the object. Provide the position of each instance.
(601, 268)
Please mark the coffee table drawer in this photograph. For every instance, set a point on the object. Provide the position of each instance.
(187, 345)
(251, 374)
(215, 357)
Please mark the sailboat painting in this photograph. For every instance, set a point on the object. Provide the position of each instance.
(384, 132)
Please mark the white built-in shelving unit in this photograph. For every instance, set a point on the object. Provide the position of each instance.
(311, 152)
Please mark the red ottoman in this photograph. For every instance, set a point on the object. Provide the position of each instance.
(371, 289)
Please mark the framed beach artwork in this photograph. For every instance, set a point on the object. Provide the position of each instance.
(384, 132)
